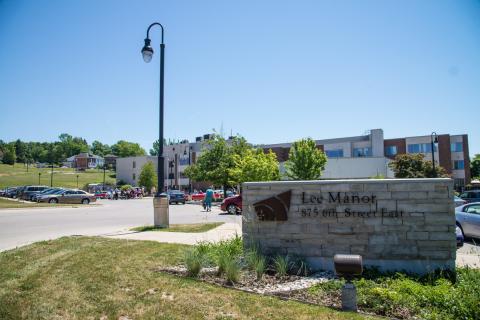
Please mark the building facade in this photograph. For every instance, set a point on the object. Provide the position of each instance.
(357, 157)
(84, 161)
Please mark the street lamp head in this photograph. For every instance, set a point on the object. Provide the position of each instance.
(434, 137)
(147, 51)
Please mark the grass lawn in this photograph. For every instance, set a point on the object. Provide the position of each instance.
(87, 278)
(8, 204)
(194, 227)
(17, 175)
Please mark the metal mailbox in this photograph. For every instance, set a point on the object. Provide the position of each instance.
(348, 265)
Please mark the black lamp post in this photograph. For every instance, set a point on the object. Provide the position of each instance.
(103, 187)
(77, 181)
(189, 164)
(147, 52)
(51, 177)
(39, 174)
(434, 139)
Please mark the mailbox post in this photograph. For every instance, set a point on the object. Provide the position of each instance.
(348, 266)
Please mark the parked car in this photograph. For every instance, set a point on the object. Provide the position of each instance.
(198, 196)
(69, 196)
(103, 195)
(460, 237)
(29, 191)
(11, 192)
(175, 196)
(458, 201)
(19, 192)
(471, 196)
(45, 192)
(468, 219)
(232, 205)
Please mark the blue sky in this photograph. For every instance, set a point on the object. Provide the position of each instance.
(272, 71)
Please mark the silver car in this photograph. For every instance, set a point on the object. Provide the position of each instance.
(69, 196)
(468, 219)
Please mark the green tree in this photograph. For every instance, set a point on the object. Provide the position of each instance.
(414, 165)
(21, 151)
(156, 147)
(100, 149)
(69, 146)
(127, 149)
(475, 166)
(217, 161)
(305, 160)
(9, 155)
(255, 165)
(148, 177)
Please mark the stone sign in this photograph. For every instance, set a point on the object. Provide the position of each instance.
(395, 224)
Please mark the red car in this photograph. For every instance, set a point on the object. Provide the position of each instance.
(232, 205)
(198, 196)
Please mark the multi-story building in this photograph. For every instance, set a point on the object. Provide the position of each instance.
(355, 157)
(451, 152)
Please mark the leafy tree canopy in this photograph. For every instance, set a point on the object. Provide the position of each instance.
(148, 177)
(306, 161)
(255, 165)
(127, 149)
(413, 165)
(475, 166)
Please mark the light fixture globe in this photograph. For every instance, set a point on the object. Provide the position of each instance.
(147, 51)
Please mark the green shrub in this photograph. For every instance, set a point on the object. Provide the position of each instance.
(222, 262)
(433, 296)
(251, 257)
(126, 187)
(299, 266)
(282, 265)
(232, 270)
(194, 261)
(260, 266)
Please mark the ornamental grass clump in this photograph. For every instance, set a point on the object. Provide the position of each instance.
(194, 261)
(232, 270)
(282, 265)
(260, 267)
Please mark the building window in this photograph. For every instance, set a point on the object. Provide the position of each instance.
(134, 164)
(362, 152)
(456, 147)
(133, 176)
(421, 148)
(391, 150)
(184, 160)
(458, 165)
(337, 153)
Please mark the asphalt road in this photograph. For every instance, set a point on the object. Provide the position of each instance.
(23, 226)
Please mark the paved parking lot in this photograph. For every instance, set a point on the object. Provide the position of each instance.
(23, 226)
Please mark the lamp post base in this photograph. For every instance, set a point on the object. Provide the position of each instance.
(349, 297)
(160, 212)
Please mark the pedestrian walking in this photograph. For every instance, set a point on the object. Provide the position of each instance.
(209, 198)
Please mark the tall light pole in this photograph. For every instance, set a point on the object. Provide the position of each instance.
(39, 174)
(77, 181)
(160, 201)
(434, 139)
(147, 52)
(51, 177)
(189, 164)
(103, 187)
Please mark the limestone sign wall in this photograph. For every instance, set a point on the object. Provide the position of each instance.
(395, 224)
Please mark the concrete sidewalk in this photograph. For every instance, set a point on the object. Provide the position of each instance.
(223, 232)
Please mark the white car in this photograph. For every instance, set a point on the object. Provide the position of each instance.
(468, 219)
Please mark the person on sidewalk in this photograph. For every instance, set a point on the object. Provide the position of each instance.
(209, 198)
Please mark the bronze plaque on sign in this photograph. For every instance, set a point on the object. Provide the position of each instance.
(274, 208)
